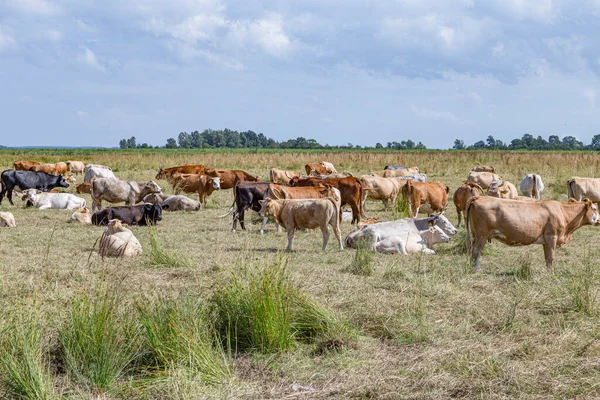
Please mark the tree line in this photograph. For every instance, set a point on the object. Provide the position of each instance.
(529, 142)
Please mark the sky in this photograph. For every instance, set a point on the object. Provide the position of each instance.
(89, 73)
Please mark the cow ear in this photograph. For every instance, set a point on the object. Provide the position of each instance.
(572, 200)
(260, 202)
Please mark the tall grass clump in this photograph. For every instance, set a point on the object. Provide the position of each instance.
(583, 287)
(262, 310)
(362, 263)
(24, 373)
(525, 271)
(98, 341)
(400, 209)
(179, 333)
(160, 257)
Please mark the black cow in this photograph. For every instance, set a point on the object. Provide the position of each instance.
(28, 180)
(247, 195)
(141, 214)
(395, 167)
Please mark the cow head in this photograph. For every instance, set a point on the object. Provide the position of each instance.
(590, 206)
(436, 235)
(442, 222)
(216, 182)
(294, 181)
(152, 213)
(153, 187)
(60, 179)
(161, 174)
(266, 208)
(70, 179)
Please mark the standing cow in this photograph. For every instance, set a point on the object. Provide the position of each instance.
(97, 171)
(462, 195)
(28, 180)
(415, 194)
(532, 186)
(118, 191)
(578, 188)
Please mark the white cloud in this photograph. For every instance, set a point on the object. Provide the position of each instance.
(434, 115)
(89, 58)
(590, 95)
(538, 10)
(82, 114)
(53, 35)
(269, 34)
(39, 7)
(7, 43)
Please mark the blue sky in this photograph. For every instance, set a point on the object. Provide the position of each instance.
(84, 72)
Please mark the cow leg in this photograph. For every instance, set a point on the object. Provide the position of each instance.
(459, 212)
(363, 205)
(263, 224)
(96, 204)
(236, 216)
(242, 216)
(476, 248)
(549, 248)
(9, 195)
(290, 238)
(355, 213)
(325, 231)
(336, 230)
(385, 205)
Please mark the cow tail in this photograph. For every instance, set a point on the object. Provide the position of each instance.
(534, 191)
(336, 207)
(468, 220)
(360, 203)
(232, 204)
(271, 176)
(570, 187)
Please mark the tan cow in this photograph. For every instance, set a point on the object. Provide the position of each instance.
(503, 190)
(7, 220)
(281, 192)
(307, 213)
(579, 188)
(520, 223)
(47, 168)
(483, 179)
(329, 168)
(379, 188)
(118, 241)
(484, 168)
(84, 188)
(164, 173)
(393, 173)
(83, 216)
(22, 165)
(417, 193)
(76, 167)
(462, 195)
(60, 168)
(282, 177)
(193, 183)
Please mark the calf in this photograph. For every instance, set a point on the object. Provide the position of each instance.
(118, 241)
(118, 191)
(83, 216)
(28, 180)
(307, 213)
(62, 201)
(141, 214)
(155, 198)
(193, 183)
(462, 195)
(7, 220)
(432, 193)
(414, 242)
(532, 186)
(229, 177)
(315, 169)
(84, 187)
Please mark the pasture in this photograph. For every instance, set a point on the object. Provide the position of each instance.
(396, 326)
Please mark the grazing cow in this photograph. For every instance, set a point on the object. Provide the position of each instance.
(141, 214)
(166, 173)
(83, 216)
(84, 187)
(313, 169)
(247, 195)
(378, 188)
(7, 220)
(118, 191)
(155, 198)
(47, 168)
(579, 188)
(462, 195)
(351, 191)
(62, 201)
(118, 241)
(329, 168)
(193, 183)
(97, 171)
(532, 186)
(181, 203)
(520, 223)
(484, 168)
(483, 179)
(22, 165)
(305, 213)
(503, 190)
(28, 180)
(432, 193)
(281, 177)
(76, 167)
(377, 232)
(414, 242)
(229, 177)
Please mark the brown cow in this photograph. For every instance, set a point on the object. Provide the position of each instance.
(47, 168)
(315, 169)
(165, 173)
(24, 165)
(229, 177)
(462, 195)
(432, 193)
(520, 223)
(60, 168)
(351, 191)
(281, 177)
(194, 183)
(83, 188)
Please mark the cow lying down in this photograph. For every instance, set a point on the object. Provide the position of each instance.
(375, 233)
(141, 214)
(83, 216)
(7, 220)
(118, 241)
(44, 201)
(413, 243)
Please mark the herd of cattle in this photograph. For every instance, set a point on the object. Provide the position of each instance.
(492, 206)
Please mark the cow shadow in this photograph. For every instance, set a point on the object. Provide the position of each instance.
(260, 250)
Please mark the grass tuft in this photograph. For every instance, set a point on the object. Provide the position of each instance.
(160, 257)
(362, 263)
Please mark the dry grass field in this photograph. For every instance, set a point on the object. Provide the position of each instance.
(202, 322)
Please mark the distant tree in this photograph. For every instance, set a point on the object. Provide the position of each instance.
(479, 145)
(458, 144)
(420, 146)
(595, 145)
(185, 140)
(378, 145)
(123, 143)
(171, 143)
(143, 146)
(131, 143)
(554, 142)
(571, 143)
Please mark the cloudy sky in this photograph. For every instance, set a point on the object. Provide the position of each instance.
(85, 72)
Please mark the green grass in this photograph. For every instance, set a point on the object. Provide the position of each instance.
(160, 257)
(362, 263)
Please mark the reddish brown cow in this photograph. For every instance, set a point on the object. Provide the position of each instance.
(24, 165)
(165, 173)
(47, 168)
(84, 188)
(464, 193)
(315, 169)
(194, 183)
(417, 193)
(229, 177)
(60, 168)
(351, 191)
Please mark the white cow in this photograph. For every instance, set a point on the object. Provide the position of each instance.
(118, 241)
(63, 201)
(532, 186)
(377, 232)
(97, 171)
(180, 203)
(7, 220)
(413, 242)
